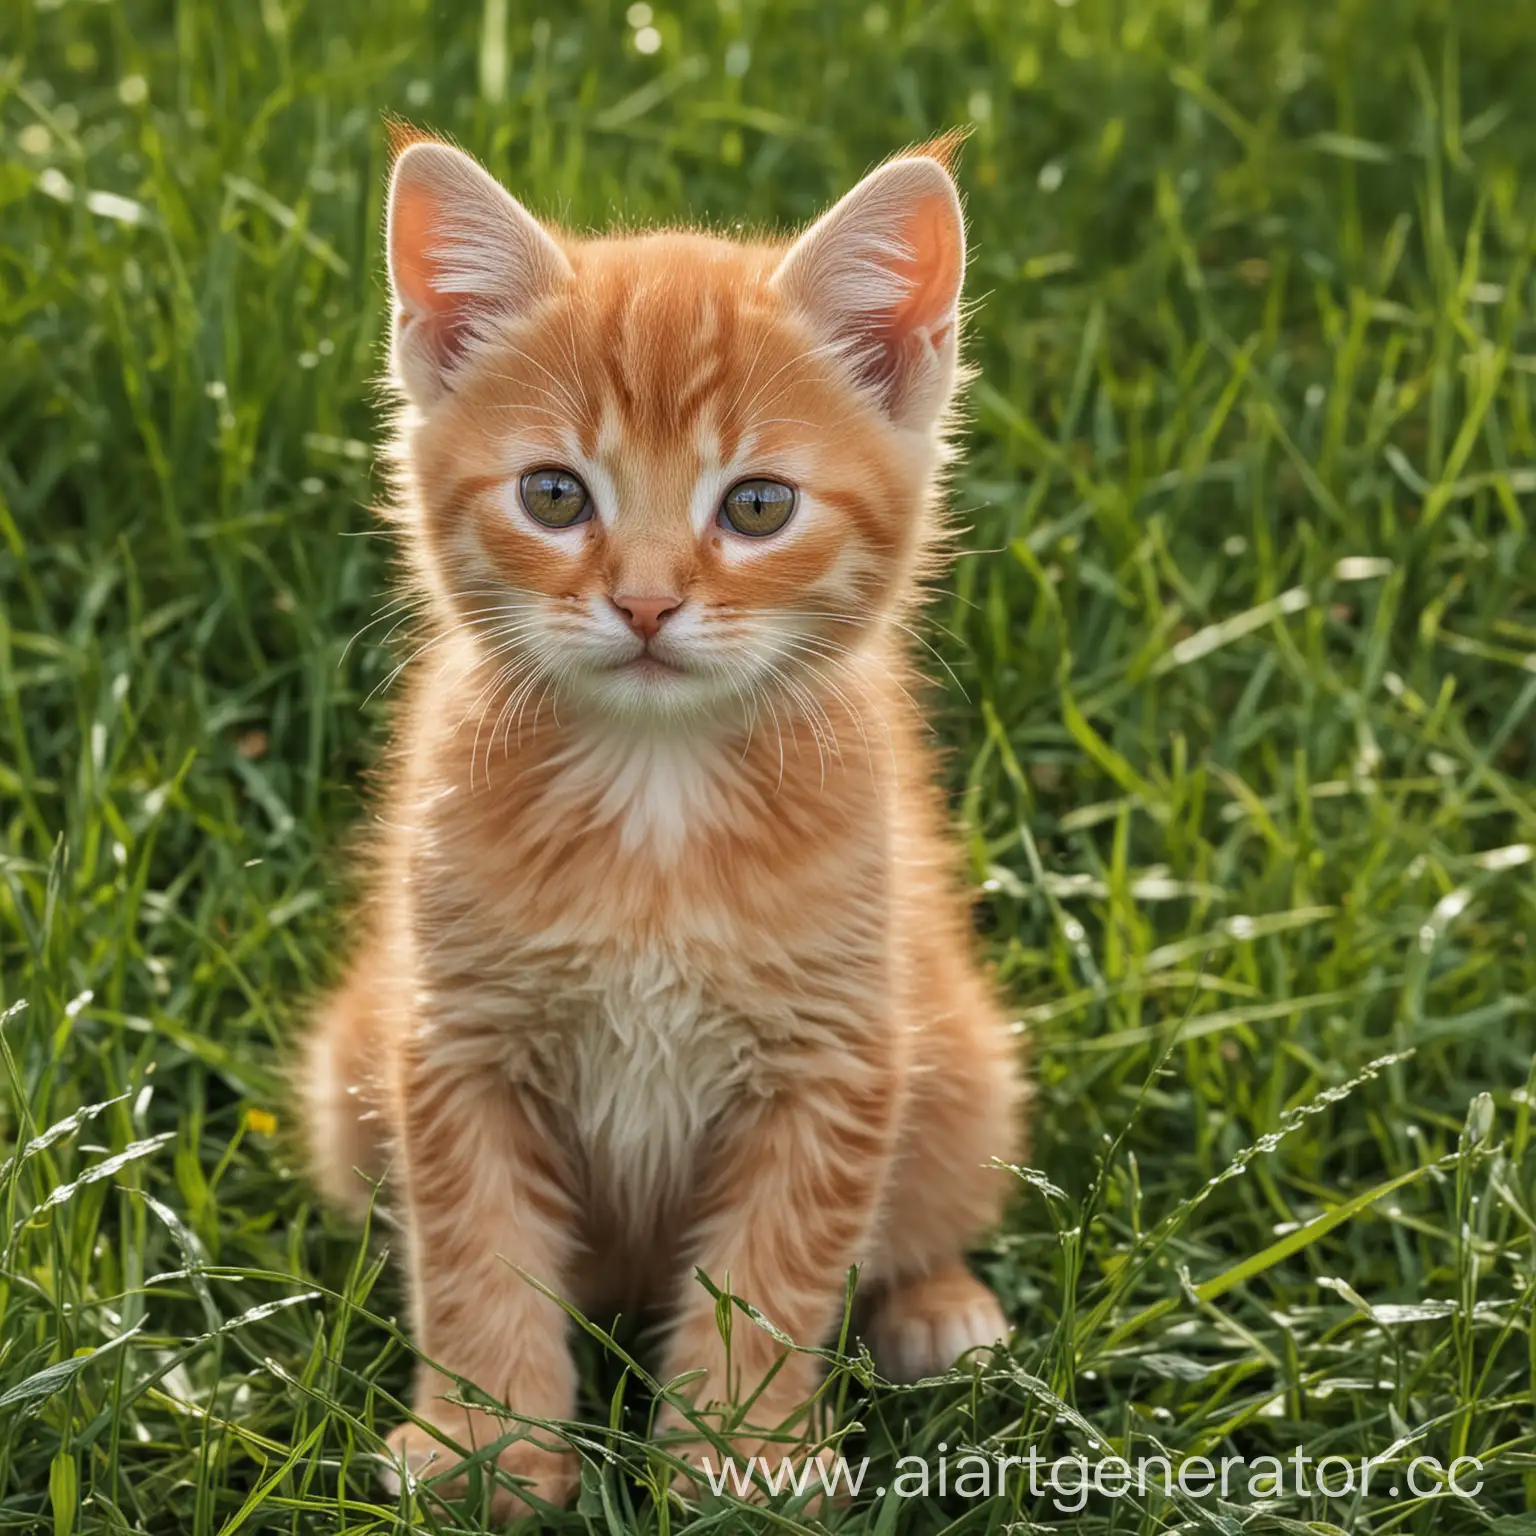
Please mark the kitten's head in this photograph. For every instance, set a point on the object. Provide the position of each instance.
(671, 475)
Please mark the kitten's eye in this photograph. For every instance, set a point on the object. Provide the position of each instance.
(757, 507)
(555, 497)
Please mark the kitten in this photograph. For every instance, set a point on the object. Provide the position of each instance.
(666, 962)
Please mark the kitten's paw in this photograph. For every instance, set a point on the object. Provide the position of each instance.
(413, 1452)
(922, 1326)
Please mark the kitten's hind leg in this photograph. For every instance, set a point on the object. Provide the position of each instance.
(921, 1326)
(964, 1114)
(339, 1078)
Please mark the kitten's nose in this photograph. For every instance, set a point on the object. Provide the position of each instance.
(645, 615)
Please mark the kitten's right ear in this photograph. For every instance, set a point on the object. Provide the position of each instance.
(462, 251)
(879, 275)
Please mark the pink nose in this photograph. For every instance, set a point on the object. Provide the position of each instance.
(645, 615)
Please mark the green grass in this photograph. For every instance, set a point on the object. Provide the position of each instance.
(1244, 643)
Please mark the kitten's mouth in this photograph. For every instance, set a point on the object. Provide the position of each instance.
(646, 664)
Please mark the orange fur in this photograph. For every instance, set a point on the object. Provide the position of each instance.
(666, 963)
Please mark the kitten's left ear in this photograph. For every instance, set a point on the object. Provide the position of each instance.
(879, 274)
(462, 251)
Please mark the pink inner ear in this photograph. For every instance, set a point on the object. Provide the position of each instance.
(441, 319)
(413, 225)
(932, 271)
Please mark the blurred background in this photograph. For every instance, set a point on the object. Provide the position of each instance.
(1234, 674)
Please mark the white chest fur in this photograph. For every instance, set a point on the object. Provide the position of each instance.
(658, 789)
(634, 1053)
(647, 1072)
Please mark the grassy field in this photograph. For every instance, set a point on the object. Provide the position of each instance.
(1240, 666)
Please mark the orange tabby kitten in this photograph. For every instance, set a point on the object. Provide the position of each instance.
(667, 964)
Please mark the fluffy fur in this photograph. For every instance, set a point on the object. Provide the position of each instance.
(666, 963)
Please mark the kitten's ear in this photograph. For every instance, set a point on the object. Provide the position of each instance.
(462, 251)
(880, 275)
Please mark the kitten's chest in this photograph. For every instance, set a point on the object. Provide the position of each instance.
(637, 1057)
(656, 1057)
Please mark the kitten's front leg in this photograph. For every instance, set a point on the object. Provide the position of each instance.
(788, 1209)
(483, 1193)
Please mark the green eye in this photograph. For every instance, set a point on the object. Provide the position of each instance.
(757, 507)
(555, 497)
